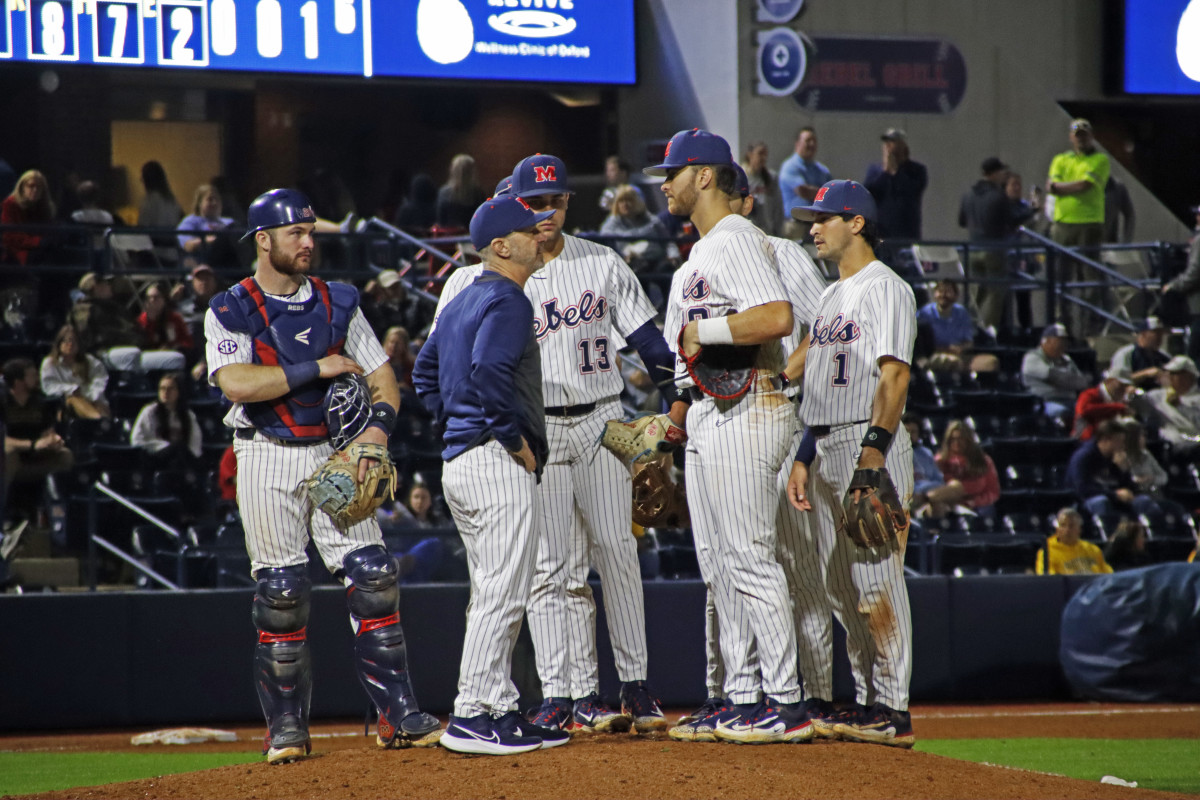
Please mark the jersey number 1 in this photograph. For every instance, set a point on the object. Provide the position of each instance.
(840, 362)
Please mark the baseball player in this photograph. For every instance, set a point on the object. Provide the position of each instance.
(587, 302)
(797, 551)
(479, 375)
(273, 342)
(855, 371)
(729, 293)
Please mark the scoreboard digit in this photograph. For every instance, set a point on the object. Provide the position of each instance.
(51, 30)
(118, 35)
(181, 28)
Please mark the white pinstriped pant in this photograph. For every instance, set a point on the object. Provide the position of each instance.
(735, 452)
(587, 505)
(495, 507)
(278, 516)
(799, 555)
(866, 585)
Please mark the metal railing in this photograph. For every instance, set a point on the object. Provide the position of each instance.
(96, 540)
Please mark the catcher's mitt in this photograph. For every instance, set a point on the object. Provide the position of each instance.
(642, 438)
(347, 408)
(658, 502)
(723, 371)
(877, 517)
(334, 487)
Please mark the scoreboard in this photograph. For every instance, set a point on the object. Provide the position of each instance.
(571, 41)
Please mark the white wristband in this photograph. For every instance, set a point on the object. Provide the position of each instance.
(714, 331)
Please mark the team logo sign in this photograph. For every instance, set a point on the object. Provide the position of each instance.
(227, 347)
(821, 194)
(543, 174)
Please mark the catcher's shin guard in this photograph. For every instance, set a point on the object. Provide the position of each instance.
(380, 656)
(282, 662)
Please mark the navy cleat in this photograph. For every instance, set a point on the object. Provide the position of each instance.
(823, 715)
(554, 712)
(699, 725)
(642, 707)
(879, 724)
(479, 735)
(514, 725)
(592, 715)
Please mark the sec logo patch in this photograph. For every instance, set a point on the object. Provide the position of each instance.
(227, 347)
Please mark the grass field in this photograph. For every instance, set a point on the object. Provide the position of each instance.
(1169, 765)
(1163, 764)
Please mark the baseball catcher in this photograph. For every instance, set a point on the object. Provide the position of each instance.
(874, 515)
(643, 444)
(723, 371)
(340, 487)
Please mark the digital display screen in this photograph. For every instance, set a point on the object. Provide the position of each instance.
(568, 41)
(1162, 47)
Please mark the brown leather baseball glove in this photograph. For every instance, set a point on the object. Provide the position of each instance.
(876, 517)
(658, 502)
(334, 487)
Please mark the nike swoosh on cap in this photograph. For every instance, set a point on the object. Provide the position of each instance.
(693, 158)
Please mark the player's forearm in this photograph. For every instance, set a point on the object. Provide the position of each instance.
(252, 383)
(384, 388)
(794, 369)
(761, 323)
(890, 396)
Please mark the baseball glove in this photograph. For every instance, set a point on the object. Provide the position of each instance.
(334, 487)
(658, 502)
(723, 371)
(877, 517)
(642, 438)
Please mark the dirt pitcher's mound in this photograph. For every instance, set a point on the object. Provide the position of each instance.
(616, 766)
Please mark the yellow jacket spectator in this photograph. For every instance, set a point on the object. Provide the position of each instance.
(1066, 553)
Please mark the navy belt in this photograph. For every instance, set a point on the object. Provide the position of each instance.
(825, 430)
(570, 411)
(248, 433)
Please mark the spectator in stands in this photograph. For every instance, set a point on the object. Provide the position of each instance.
(28, 205)
(418, 213)
(74, 377)
(616, 175)
(89, 211)
(386, 302)
(1126, 549)
(1049, 372)
(107, 330)
(191, 301)
(764, 187)
(1188, 283)
(397, 348)
(203, 221)
(682, 231)
(162, 327)
(630, 221)
(985, 212)
(167, 429)
(800, 176)
(417, 511)
(460, 195)
(1149, 477)
(32, 447)
(159, 208)
(1119, 216)
(1104, 401)
(953, 333)
(1144, 359)
(227, 475)
(968, 471)
(897, 183)
(1175, 408)
(1066, 553)
(932, 498)
(1021, 211)
(1101, 485)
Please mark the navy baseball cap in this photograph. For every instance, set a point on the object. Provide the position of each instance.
(743, 182)
(504, 186)
(694, 148)
(1151, 324)
(540, 174)
(497, 217)
(839, 197)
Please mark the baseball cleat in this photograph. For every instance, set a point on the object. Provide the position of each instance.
(288, 742)
(824, 716)
(767, 722)
(592, 715)
(418, 729)
(879, 724)
(513, 724)
(702, 725)
(554, 712)
(642, 707)
(480, 736)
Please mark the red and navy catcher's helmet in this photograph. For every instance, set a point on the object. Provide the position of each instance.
(277, 208)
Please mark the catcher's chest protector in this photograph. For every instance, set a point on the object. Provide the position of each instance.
(290, 333)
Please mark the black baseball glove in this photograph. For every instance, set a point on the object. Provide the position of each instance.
(876, 517)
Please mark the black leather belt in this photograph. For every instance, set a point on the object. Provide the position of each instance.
(248, 433)
(825, 430)
(570, 411)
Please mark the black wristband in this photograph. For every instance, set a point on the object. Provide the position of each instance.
(784, 380)
(383, 416)
(877, 437)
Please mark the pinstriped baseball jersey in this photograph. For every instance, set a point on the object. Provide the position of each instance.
(578, 298)
(732, 268)
(804, 284)
(228, 347)
(861, 319)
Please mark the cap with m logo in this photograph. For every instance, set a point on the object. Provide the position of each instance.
(540, 174)
(839, 197)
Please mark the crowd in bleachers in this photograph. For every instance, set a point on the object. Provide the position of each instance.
(103, 361)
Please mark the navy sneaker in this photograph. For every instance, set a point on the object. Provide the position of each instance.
(698, 726)
(823, 716)
(879, 724)
(642, 707)
(479, 736)
(593, 715)
(513, 724)
(766, 723)
(554, 712)
(287, 741)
